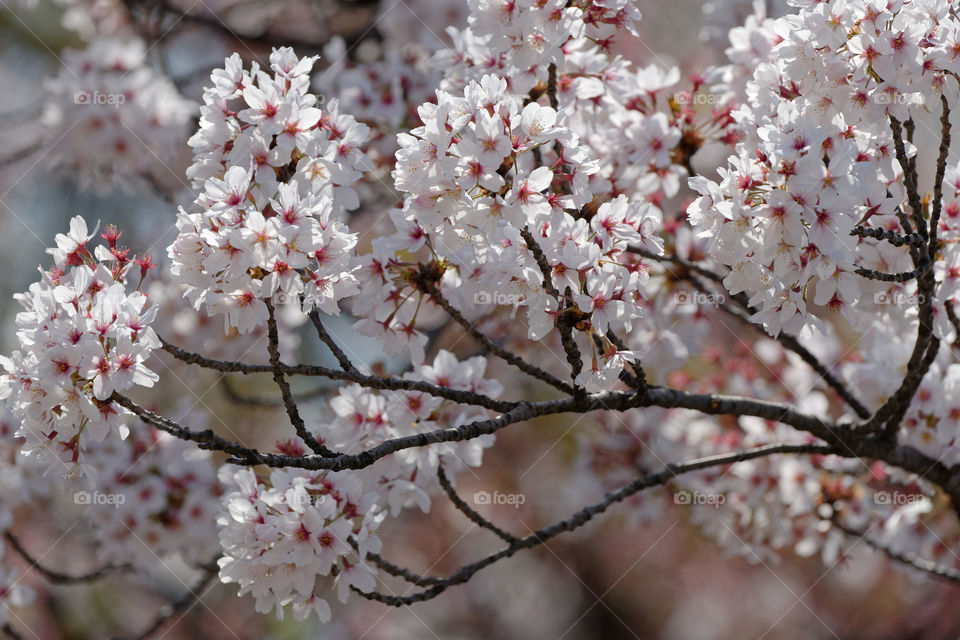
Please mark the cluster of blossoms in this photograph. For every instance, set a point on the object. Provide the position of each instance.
(620, 112)
(162, 499)
(482, 169)
(820, 159)
(274, 172)
(519, 40)
(289, 539)
(84, 334)
(619, 136)
(536, 178)
(362, 418)
(641, 130)
(113, 119)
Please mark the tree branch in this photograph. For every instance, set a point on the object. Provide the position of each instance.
(370, 382)
(926, 345)
(586, 514)
(400, 572)
(903, 276)
(206, 439)
(273, 347)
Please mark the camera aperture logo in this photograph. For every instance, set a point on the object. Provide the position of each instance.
(485, 497)
(281, 298)
(88, 498)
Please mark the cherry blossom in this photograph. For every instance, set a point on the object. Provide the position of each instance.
(797, 187)
(112, 119)
(83, 335)
(283, 536)
(407, 264)
(266, 223)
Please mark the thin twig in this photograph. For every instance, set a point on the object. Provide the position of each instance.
(566, 322)
(909, 178)
(927, 566)
(903, 276)
(787, 340)
(565, 326)
(293, 412)
(469, 512)
(491, 346)
(182, 604)
(327, 339)
(887, 418)
(400, 572)
(894, 238)
(57, 577)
